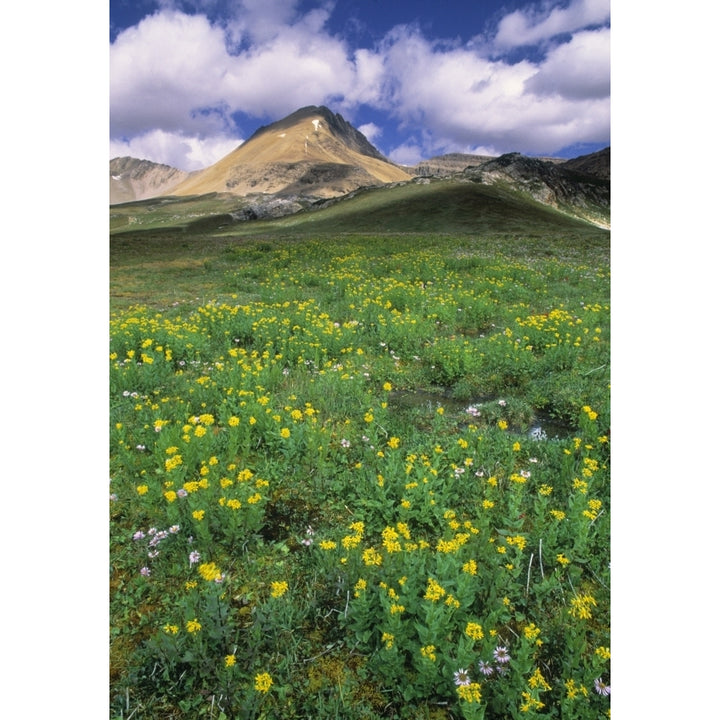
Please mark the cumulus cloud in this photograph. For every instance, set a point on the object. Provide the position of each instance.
(467, 100)
(175, 149)
(579, 69)
(177, 80)
(409, 153)
(167, 73)
(371, 131)
(537, 24)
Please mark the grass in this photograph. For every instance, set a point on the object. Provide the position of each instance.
(337, 421)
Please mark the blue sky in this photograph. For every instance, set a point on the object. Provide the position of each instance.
(191, 79)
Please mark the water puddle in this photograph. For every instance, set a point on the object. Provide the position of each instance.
(540, 426)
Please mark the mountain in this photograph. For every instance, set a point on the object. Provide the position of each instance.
(314, 157)
(580, 188)
(596, 164)
(444, 165)
(311, 153)
(133, 179)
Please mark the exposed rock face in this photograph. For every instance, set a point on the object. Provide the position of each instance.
(313, 151)
(133, 179)
(443, 165)
(551, 183)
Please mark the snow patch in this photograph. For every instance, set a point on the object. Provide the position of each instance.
(316, 123)
(282, 134)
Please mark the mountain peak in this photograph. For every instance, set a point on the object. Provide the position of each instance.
(312, 152)
(315, 116)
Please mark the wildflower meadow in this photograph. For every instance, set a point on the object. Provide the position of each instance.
(364, 477)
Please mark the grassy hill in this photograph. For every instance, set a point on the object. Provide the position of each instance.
(446, 206)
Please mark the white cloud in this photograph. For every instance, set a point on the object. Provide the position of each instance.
(371, 131)
(531, 26)
(577, 70)
(409, 153)
(176, 150)
(164, 70)
(177, 79)
(465, 100)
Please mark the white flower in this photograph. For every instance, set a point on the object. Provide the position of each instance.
(462, 677)
(601, 688)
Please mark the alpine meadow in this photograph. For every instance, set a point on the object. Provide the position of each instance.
(359, 434)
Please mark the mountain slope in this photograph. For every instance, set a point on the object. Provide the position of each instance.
(445, 206)
(578, 194)
(133, 179)
(596, 164)
(312, 152)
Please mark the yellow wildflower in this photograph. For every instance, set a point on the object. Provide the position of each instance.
(278, 589)
(209, 571)
(263, 682)
(470, 693)
(474, 631)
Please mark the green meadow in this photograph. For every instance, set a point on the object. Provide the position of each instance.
(359, 472)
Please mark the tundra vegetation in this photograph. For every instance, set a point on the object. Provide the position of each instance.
(360, 476)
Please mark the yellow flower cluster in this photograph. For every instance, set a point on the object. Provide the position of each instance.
(517, 540)
(470, 693)
(209, 571)
(474, 631)
(573, 690)
(263, 682)
(531, 703)
(372, 557)
(580, 606)
(434, 590)
(278, 589)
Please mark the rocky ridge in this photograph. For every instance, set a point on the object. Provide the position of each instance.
(132, 179)
(314, 157)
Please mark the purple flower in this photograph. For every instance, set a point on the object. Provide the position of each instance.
(485, 667)
(139, 535)
(501, 654)
(175, 529)
(194, 557)
(182, 492)
(145, 571)
(601, 688)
